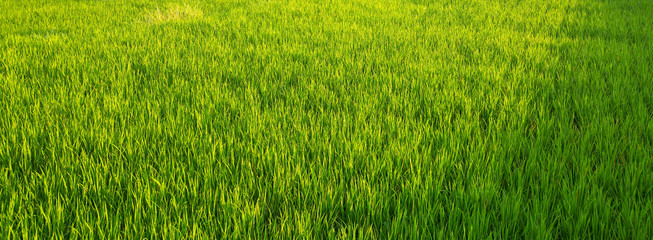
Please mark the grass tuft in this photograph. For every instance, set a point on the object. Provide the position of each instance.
(172, 13)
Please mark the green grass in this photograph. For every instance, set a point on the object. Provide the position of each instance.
(339, 118)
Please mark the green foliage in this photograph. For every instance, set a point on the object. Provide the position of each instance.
(326, 119)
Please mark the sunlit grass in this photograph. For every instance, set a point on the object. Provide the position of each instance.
(172, 13)
(326, 119)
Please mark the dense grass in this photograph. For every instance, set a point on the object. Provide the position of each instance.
(338, 118)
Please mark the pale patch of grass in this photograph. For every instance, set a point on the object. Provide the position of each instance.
(172, 13)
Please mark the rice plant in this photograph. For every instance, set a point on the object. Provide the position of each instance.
(337, 119)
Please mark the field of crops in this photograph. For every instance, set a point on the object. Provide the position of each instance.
(373, 119)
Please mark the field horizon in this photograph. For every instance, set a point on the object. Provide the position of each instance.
(399, 119)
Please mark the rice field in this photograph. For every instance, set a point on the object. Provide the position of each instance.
(336, 119)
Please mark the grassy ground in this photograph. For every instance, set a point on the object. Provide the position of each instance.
(337, 118)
